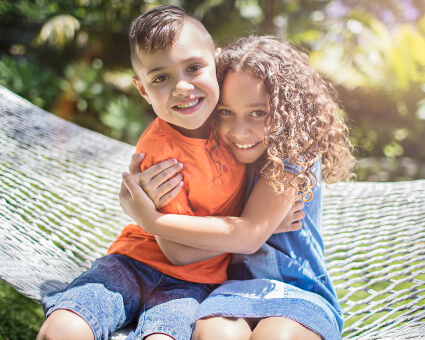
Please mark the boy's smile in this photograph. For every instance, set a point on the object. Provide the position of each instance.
(180, 82)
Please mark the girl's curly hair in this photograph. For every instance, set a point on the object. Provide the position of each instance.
(304, 121)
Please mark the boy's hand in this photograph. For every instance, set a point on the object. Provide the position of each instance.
(292, 221)
(158, 181)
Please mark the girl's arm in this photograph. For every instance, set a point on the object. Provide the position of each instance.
(262, 215)
(176, 253)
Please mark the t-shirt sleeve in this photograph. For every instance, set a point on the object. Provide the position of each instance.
(157, 151)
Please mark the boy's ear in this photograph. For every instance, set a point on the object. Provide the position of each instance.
(217, 51)
(141, 89)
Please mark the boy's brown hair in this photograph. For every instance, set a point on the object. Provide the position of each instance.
(158, 29)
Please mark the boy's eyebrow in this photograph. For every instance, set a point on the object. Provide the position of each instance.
(192, 59)
(184, 61)
(156, 69)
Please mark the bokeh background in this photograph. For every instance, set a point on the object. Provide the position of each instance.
(72, 58)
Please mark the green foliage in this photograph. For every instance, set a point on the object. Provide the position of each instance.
(30, 80)
(103, 100)
(20, 317)
(380, 76)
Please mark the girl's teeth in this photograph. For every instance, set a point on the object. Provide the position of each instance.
(246, 146)
(192, 104)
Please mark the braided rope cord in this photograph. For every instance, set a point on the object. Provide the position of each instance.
(59, 210)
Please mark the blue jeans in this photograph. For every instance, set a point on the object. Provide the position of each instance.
(118, 290)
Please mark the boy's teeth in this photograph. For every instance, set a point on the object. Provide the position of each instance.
(191, 104)
(244, 146)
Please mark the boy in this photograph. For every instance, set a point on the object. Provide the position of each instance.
(173, 57)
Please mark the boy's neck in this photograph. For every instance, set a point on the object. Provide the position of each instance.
(203, 132)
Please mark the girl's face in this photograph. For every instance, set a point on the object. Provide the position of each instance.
(243, 109)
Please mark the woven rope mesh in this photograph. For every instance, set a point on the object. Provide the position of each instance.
(375, 251)
(59, 211)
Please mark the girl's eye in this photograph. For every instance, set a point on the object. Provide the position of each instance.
(160, 78)
(224, 112)
(194, 68)
(258, 113)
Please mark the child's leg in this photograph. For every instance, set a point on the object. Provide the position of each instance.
(221, 328)
(158, 337)
(65, 325)
(104, 298)
(277, 328)
(170, 310)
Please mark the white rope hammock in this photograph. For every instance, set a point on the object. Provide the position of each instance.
(59, 211)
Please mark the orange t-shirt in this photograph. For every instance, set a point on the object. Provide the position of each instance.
(204, 193)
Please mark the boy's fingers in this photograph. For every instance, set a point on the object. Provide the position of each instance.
(299, 205)
(296, 225)
(299, 215)
(167, 198)
(136, 160)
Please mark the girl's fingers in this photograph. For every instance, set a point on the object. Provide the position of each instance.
(167, 198)
(163, 176)
(129, 183)
(123, 188)
(157, 169)
(136, 160)
(169, 185)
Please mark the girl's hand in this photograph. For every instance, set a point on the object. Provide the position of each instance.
(134, 201)
(158, 181)
(292, 221)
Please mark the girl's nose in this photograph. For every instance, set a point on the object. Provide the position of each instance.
(183, 87)
(240, 130)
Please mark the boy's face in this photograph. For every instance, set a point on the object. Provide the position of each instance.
(180, 82)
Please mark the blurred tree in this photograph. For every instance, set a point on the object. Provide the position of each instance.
(380, 75)
(371, 50)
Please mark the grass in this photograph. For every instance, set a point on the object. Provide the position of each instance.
(20, 317)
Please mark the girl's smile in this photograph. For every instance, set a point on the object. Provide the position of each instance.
(243, 109)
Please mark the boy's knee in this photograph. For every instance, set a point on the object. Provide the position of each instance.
(63, 325)
(221, 328)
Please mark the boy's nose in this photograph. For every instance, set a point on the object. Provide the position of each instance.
(183, 87)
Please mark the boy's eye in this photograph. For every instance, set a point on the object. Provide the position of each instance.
(224, 112)
(160, 78)
(258, 113)
(194, 68)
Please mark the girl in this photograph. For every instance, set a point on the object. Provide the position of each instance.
(278, 115)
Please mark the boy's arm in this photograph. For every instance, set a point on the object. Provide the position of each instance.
(180, 254)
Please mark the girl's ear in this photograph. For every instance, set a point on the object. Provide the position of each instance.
(141, 89)
(217, 51)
